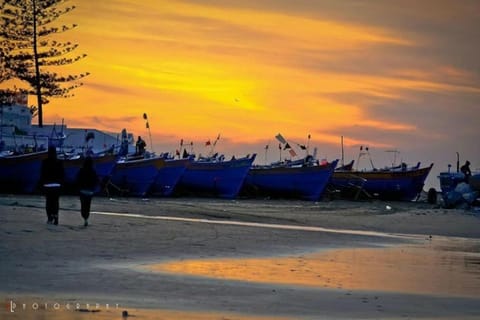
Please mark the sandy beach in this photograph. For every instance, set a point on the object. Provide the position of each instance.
(189, 258)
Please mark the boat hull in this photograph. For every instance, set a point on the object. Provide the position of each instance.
(221, 179)
(168, 177)
(136, 177)
(306, 183)
(21, 173)
(387, 185)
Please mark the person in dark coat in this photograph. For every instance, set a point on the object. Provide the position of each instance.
(87, 181)
(465, 169)
(52, 178)
(140, 146)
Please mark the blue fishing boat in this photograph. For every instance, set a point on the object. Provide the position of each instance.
(215, 176)
(103, 164)
(302, 179)
(135, 177)
(450, 180)
(399, 183)
(168, 177)
(20, 173)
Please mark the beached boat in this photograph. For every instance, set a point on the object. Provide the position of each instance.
(398, 183)
(301, 179)
(135, 177)
(215, 176)
(20, 173)
(450, 180)
(346, 167)
(168, 177)
(103, 164)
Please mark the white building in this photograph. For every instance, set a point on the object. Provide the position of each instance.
(18, 133)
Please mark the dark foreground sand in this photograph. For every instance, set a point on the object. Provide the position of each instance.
(246, 259)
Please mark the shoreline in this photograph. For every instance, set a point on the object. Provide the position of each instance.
(395, 217)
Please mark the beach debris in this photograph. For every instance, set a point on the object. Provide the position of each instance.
(388, 207)
(125, 314)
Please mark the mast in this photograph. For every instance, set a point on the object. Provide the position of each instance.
(343, 155)
(458, 162)
(147, 125)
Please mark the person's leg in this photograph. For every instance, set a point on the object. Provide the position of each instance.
(88, 202)
(55, 205)
(85, 202)
(48, 207)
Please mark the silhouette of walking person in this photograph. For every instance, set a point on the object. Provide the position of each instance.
(87, 181)
(52, 178)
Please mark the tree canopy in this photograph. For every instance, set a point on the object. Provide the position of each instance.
(29, 53)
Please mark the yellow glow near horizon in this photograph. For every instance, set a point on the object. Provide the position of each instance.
(201, 90)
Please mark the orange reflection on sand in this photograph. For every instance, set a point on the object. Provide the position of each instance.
(398, 269)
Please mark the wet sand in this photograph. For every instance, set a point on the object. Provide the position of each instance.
(405, 269)
(246, 259)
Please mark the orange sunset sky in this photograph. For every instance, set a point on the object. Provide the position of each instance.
(389, 74)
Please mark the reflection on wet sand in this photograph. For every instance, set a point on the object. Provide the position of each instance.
(407, 269)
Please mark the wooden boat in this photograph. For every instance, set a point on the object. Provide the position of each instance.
(168, 177)
(300, 179)
(21, 173)
(400, 183)
(449, 180)
(215, 176)
(346, 167)
(135, 177)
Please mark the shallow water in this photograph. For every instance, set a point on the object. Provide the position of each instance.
(446, 267)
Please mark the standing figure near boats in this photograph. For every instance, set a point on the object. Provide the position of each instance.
(465, 169)
(140, 146)
(51, 178)
(87, 181)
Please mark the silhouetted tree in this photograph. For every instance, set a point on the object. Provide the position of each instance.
(8, 97)
(28, 52)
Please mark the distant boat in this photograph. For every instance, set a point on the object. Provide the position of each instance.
(103, 165)
(346, 167)
(21, 173)
(215, 176)
(397, 183)
(135, 177)
(300, 179)
(168, 177)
